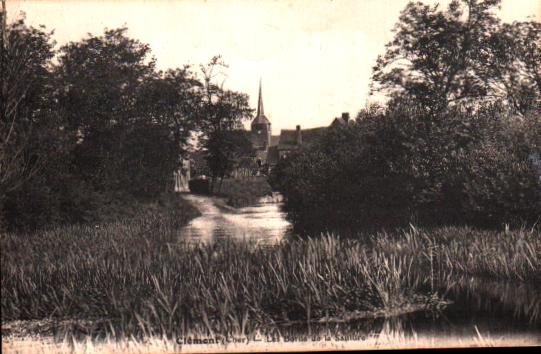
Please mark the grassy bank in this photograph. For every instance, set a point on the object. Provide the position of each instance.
(243, 192)
(171, 208)
(136, 277)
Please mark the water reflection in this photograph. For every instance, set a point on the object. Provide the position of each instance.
(263, 223)
(494, 307)
(490, 307)
(517, 303)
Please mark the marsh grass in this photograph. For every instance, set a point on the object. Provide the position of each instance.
(513, 255)
(138, 279)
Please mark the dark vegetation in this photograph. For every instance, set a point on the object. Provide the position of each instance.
(455, 142)
(135, 277)
(244, 192)
(99, 128)
(403, 165)
(200, 186)
(237, 192)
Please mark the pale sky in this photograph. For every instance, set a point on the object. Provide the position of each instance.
(314, 56)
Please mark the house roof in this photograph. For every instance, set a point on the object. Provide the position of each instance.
(288, 137)
(310, 136)
(343, 120)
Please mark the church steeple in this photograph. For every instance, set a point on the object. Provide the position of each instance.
(260, 110)
(260, 116)
(261, 129)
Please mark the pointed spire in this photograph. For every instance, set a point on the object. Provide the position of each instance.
(260, 111)
(260, 116)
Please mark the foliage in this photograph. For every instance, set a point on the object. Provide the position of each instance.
(138, 279)
(200, 185)
(406, 163)
(103, 102)
(172, 99)
(224, 150)
(454, 144)
(244, 192)
(99, 127)
(29, 128)
(222, 112)
(515, 67)
(464, 54)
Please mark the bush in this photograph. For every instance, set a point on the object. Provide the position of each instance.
(404, 163)
(199, 186)
(243, 192)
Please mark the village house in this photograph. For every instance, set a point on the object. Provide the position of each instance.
(268, 148)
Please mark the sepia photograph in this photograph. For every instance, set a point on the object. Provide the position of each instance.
(215, 176)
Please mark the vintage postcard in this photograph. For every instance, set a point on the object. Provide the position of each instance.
(191, 176)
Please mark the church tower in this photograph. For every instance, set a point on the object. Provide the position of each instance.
(261, 130)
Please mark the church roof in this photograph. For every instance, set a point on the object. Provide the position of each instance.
(260, 117)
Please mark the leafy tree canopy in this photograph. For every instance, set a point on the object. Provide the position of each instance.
(460, 55)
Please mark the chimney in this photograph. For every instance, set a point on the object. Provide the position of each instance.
(298, 135)
(345, 116)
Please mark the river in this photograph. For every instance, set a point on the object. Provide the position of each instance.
(263, 223)
(498, 308)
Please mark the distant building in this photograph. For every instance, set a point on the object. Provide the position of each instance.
(268, 148)
(344, 120)
(260, 132)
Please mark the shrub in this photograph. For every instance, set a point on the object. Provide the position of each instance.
(199, 186)
(243, 192)
(404, 163)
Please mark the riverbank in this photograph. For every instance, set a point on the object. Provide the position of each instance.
(122, 208)
(136, 278)
(240, 193)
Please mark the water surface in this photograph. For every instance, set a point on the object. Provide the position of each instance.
(263, 223)
(488, 306)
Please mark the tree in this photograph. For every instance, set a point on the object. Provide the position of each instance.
(439, 58)
(102, 78)
(515, 65)
(29, 129)
(222, 112)
(172, 100)
(130, 121)
(225, 151)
